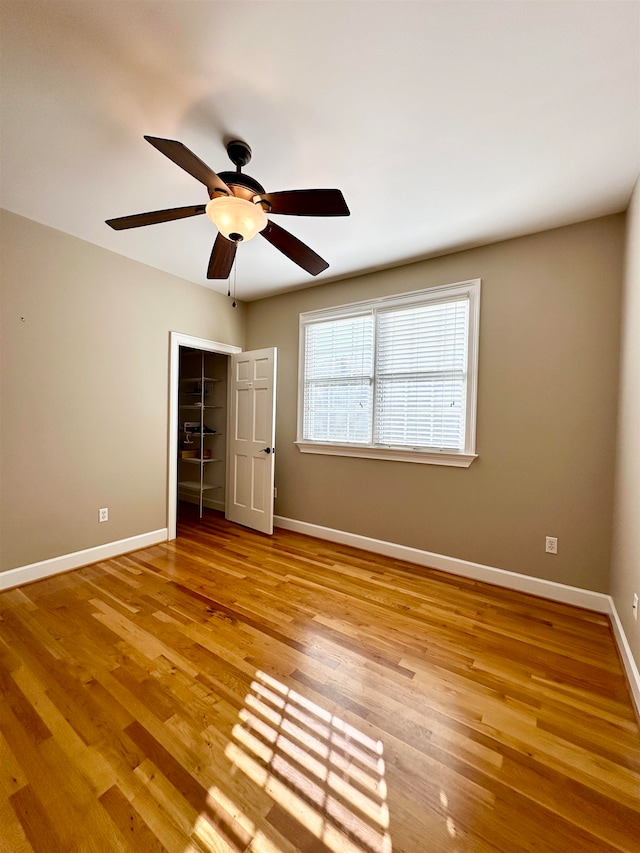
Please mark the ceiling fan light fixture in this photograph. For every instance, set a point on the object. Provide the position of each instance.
(236, 218)
(239, 207)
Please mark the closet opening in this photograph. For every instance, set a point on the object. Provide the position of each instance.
(202, 429)
(222, 406)
(198, 426)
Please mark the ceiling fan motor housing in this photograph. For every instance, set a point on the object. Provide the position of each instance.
(242, 186)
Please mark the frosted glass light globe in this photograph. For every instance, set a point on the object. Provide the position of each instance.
(236, 218)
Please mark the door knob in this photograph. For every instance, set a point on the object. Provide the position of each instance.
(268, 450)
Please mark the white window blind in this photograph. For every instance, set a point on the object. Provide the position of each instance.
(421, 361)
(398, 372)
(338, 395)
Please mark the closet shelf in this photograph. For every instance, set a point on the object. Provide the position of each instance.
(201, 406)
(195, 406)
(195, 486)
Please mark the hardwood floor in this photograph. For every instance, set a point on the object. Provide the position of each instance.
(235, 692)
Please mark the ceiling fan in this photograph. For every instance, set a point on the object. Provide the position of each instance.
(238, 207)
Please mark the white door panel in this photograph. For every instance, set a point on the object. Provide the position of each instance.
(259, 479)
(243, 414)
(242, 480)
(262, 428)
(252, 439)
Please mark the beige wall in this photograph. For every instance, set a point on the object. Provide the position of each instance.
(84, 404)
(625, 567)
(549, 347)
(84, 389)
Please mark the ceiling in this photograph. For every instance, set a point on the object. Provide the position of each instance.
(445, 124)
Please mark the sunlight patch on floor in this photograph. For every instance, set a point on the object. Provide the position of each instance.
(324, 772)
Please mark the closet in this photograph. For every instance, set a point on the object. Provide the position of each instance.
(202, 422)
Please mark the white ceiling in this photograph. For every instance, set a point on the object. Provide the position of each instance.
(445, 124)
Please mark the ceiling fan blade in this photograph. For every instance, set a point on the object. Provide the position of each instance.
(188, 161)
(294, 249)
(154, 217)
(222, 258)
(308, 202)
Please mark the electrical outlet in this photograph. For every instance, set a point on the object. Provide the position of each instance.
(103, 514)
(275, 491)
(551, 545)
(635, 605)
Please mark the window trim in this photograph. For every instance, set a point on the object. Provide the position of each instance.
(430, 456)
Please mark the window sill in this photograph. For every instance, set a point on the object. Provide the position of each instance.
(394, 454)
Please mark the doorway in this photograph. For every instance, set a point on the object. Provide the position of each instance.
(244, 431)
(189, 343)
(202, 429)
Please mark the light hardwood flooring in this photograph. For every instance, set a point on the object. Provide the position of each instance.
(230, 691)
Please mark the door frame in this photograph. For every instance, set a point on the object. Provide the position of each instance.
(177, 340)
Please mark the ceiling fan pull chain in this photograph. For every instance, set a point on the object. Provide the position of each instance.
(234, 304)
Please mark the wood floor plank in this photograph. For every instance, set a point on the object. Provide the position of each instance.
(35, 822)
(230, 692)
(12, 776)
(129, 822)
(86, 759)
(13, 838)
(48, 816)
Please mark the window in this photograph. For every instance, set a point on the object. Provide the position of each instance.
(393, 378)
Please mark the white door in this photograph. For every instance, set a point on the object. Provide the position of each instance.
(251, 444)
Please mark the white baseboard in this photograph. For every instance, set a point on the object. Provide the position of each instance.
(210, 503)
(46, 568)
(624, 649)
(596, 601)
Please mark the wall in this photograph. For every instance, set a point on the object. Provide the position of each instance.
(625, 570)
(549, 348)
(84, 389)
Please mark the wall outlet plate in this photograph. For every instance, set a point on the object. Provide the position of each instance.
(103, 514)
(551, 545)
